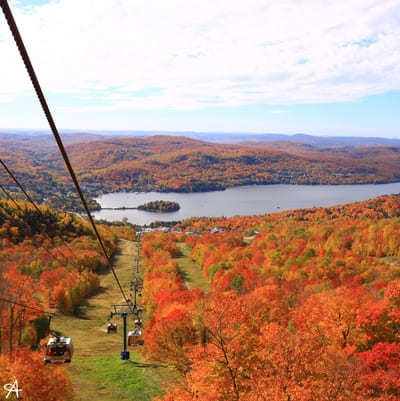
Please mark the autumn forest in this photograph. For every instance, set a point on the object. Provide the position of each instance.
(301, 305)
(180, 164)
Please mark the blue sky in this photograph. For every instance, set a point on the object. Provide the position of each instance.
(318, 67)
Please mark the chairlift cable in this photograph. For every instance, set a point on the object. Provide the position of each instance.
(18, 183)
(10, 198)
(44, 247)
(26, 306)
(35, 82)
(30, 200)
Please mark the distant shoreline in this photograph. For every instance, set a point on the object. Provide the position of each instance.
(118, 208)
(243, 200)
(158, 206)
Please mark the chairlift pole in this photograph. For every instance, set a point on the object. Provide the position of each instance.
(124, 353)
(136, 286)
(137, 283)
(48, 327)
(124, 314)
(137, 261)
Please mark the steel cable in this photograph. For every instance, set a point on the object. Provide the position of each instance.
(35, 82)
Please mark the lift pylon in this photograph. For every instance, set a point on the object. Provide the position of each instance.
(123, 311)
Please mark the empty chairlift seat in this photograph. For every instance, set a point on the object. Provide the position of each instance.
(59, 350)
(135, 338)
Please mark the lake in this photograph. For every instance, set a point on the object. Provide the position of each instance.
(246, 200)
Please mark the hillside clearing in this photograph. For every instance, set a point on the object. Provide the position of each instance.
(97, 373)
(191, 271)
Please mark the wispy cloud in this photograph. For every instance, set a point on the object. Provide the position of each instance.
(278, 111)
(190, 54)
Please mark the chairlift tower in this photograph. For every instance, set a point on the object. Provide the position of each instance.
(137, 260)
(123, 311)
(137, 287)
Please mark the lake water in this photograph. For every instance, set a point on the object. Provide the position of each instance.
(246, 200)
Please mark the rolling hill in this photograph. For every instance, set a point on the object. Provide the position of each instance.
(181, 164)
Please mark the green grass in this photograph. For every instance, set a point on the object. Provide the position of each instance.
(97, 372)
(191, 271)
(113, 379)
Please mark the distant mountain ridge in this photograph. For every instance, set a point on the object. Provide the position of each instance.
(181, 164)
(218, 137)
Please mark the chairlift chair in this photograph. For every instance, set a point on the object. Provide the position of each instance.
(59, 350)
(111, 328)
(135, 338)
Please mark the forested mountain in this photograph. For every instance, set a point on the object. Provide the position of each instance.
(299, 305)
(49, 261)
(302, 305)
(186, 165)
(167, 163)
(218, 137)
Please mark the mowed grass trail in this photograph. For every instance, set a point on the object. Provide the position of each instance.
(191, 271)
(97, 372)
